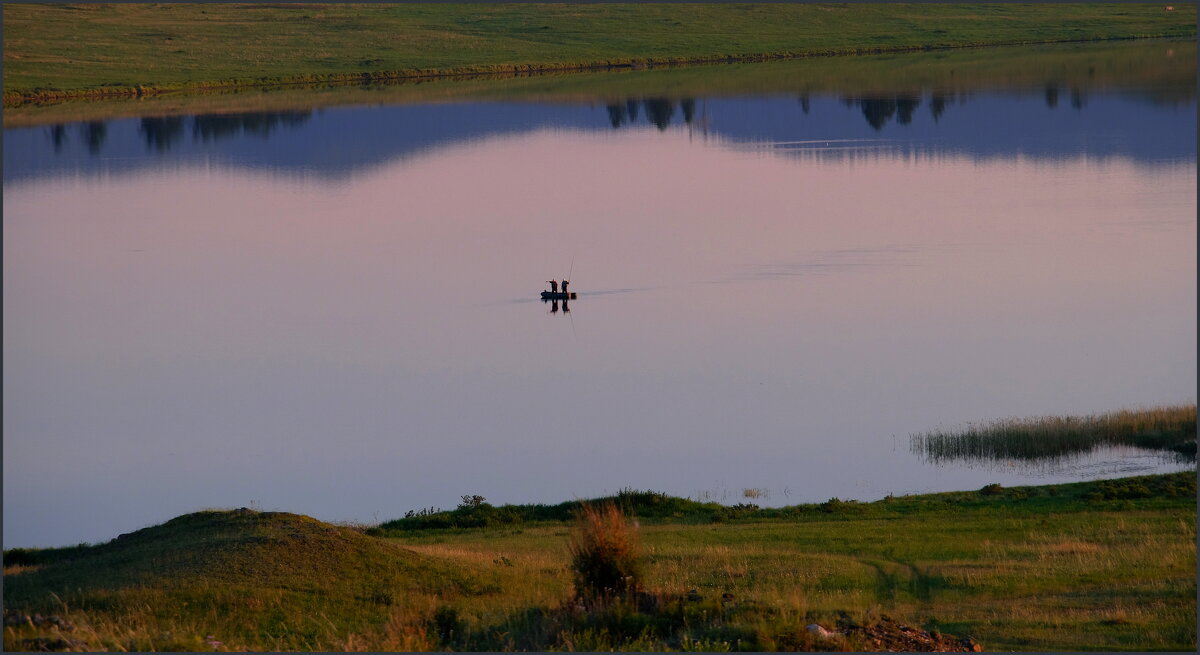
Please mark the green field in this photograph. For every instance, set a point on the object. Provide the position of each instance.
(1086, 566)
(1164, 71)
(53, 50)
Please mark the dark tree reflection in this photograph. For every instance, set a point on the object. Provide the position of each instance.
(58, 136)
(160, 133)
(218, 126)
(905, 106)
(937, 105)
(659, 111)
(1051, 96)
(804, 104)
(1078, 100)
(617, 115)
(878, 111)
(94, 133)
(688, 106)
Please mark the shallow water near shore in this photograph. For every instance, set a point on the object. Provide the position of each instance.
(334, 310)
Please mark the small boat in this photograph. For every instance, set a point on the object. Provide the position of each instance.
(558, 295)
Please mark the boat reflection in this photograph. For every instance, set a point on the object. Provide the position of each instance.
(566, 308)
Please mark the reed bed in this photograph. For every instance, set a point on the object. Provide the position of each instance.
(1170, 429)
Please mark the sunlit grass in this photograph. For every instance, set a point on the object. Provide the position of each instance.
(1103, 565)
(1082, 67)
(1168, 428)
(123, 48)
(1004, 575)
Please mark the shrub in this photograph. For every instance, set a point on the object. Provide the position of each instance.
(1120, 490)
(993, 489)
(473, 512)
(447, 624)
(19, 557)
(836, 505)
(472, 501)
(605, 554)
(1182, 486)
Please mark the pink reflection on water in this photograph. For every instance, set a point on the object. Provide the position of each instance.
(346, 343)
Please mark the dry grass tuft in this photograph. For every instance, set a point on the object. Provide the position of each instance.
(605, 553)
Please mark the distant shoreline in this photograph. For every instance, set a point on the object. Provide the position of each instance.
(64, 52)
(17, 98)
(1067, 66)
(659, 508)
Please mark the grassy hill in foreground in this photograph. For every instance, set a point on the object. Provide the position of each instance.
(1098, 565)
(274, 579)
(62, 49)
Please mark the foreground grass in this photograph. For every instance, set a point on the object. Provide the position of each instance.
(61, 50)
(1170, 429)
(1101, 565)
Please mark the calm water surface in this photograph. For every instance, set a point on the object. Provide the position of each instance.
(333, 311)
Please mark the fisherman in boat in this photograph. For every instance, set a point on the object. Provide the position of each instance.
(565, 283)
(554, 286)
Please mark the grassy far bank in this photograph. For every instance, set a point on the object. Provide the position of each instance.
(56, 50)
(1096, 565)
(1164, 71)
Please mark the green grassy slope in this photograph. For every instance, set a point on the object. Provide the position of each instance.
(654, 507)
(273, 579)
(1098, 565)
(51, 49)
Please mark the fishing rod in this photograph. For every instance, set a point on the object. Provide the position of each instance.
(569, 272)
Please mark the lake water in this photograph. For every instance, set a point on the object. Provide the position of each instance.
(333, 310)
